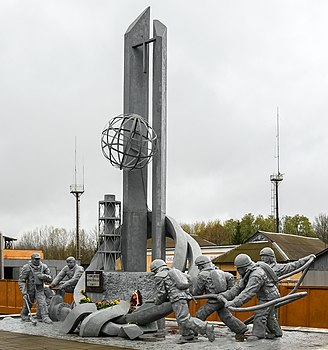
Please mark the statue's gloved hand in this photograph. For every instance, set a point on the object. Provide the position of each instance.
(312, 256)
(42, 276)
(229, 303)
(24, 291)
(221, 301)
(45, 277)
(224, 301)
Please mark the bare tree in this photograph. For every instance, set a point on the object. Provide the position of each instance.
(58, 243)
(320, 226)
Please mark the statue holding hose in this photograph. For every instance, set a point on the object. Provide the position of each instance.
(259, 280)
(268, 256)
(212, 280)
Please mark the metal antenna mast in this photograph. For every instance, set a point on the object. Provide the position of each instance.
(276, 180)
(77, 191)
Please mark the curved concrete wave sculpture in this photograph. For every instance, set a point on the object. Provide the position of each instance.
(75, 316)
(92, 324)
(186, 248)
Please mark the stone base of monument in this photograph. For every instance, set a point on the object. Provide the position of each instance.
(121, 285)
(145, 321)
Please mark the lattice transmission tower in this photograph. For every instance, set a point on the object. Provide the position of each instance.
(276, 180)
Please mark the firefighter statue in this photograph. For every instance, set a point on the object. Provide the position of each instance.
(68, 277)
(259, 280)
(212, 280)
(31, 284)
(173, 285)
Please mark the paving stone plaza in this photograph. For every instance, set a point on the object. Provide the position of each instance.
(292, 339)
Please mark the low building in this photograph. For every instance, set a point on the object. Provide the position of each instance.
(13, 259)
(208, 248)
(318, 271)
(287, 248)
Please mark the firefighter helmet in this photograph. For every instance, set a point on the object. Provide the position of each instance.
(243, 260)
(201, 260)
(267, 251)
(156, 264)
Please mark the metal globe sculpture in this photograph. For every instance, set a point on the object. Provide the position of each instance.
(128, 142)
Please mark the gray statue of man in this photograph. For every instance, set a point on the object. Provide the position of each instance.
(173, 285)
(259, 280)
(68, 277)
(268, 256)
(212, 280)
(31, 284)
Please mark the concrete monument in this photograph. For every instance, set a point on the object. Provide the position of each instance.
(129, 142)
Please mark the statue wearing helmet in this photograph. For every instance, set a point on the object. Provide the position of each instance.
(202, 260)
(268, 252)
(173, 285)
(255, 281)
(156, 264)
(268, 256)
(243, 260)
(211, 280)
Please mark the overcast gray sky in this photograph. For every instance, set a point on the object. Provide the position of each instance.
(230, 64)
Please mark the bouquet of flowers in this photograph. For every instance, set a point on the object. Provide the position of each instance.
(100, 304)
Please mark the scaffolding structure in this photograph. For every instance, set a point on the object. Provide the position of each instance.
(275, 182)
(77, 191)
(109, 229)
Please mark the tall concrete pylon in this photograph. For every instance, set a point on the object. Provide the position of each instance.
(136, 100)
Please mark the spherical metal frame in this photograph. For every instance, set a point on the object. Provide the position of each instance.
(128, 142)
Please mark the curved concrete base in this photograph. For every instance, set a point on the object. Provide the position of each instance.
(58, 310)
(92, 324)
(75, 316)
(110, 329)
(131, 331)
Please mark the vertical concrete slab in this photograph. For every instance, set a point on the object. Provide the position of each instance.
(159, 110)
(136, 98)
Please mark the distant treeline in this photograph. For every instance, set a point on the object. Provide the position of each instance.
(238, 231)
(59, 243)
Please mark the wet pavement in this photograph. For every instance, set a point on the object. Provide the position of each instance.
(23, 335)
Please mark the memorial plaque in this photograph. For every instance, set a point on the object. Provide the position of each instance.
(94, 281)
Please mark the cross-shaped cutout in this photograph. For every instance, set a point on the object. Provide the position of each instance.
(144, 52)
